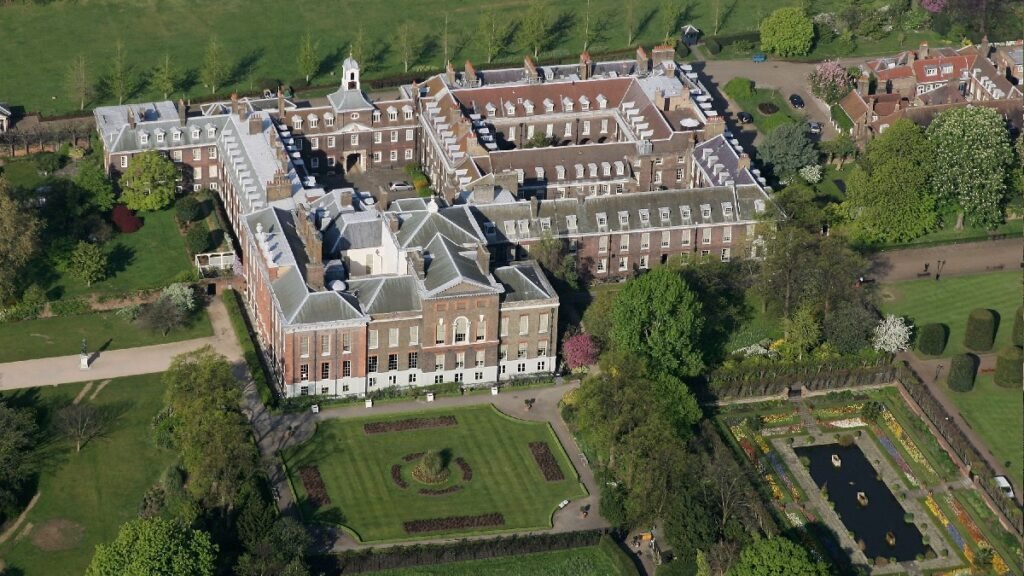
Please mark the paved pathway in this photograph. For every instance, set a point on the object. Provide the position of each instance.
(117, 363)
(960, 259)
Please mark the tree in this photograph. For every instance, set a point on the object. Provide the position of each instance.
(889, 196)
(553, 256)
(777, 557)
(892, 334)
(17, 438)
(802, 333)
(630, 18)
(703, 568)
(787, 149)
(215, 69)
(77, 81)
(872, 411)
(962, 371)
(273, 545)
(535, 26)
(19, 240)
(1009, 364)
(165, 76)
(787, 32)
(931, 339)
(1017, 336)
(88, 263)
(148, 182)
(121, 78)
(181, 295)
(79, 422)
(198, 238)
(492, 34)
(580, 351)
(407, 43)
(830, 81)
(161, 316)
(972, 160)
(658, 317)
(839, 149)
(357, 49)
(980, 333)
(785, 268)
(155, 546)
(308, 59)
(93, 180)
(597, 318)
(848, 327)
(669, 13)
(587, 32)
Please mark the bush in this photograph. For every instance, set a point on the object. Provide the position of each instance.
(739, 88)
(1010, 367)
(198, 238)
(931, 339)
(29, 307)
(70, 307)
(1018, 327)
(713, 46)
(981, 330)
(682, 50)
(962, 371)
(125, 219)
(188, 209)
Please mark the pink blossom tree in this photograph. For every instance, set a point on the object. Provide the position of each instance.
(580, 351)
(933, 6)
(830, 81)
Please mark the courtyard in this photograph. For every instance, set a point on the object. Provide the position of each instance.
(496, 474)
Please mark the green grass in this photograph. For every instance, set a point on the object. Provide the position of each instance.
(21, 174)
(950, 300)
(841, 118)
(832, 188)
(62, 336)
(765, 122)
(356, 469)
(593, 561)
(99, 488)
(951, 235)
(151, 258)
(918, 431)
(1005, 542)
(997, 415)
(761, 325)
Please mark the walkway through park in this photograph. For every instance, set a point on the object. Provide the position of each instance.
(958, 260)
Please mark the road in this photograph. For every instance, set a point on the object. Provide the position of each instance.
(958, 259)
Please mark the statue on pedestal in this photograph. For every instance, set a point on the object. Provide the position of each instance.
(83, 356)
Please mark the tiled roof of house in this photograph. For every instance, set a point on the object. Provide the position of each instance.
(941, 68)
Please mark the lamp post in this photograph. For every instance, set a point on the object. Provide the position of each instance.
(938, 370)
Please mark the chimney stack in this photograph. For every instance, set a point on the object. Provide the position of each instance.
(922, 50)
(312, 240)
(416, 265)
(393, 223)
(131, 118)
(470, 75)
(279, 188)
(643, 63)
(534, 206)
(346, 198)
(483, 259)
(383, 199)
(280, 103)
(237, 107)
(662, 54)
(531, 69)
(449, 72)
(585, 66)
(743, 162)
(182, 112)
(255, 124)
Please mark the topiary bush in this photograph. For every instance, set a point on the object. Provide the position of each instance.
(712, 45)
(187, 209)
(981, 330)
(932, 339)
(961, 373)
(1010, 367)
(198, 238)
(682, 50)
(1018, 327)
(739, 88)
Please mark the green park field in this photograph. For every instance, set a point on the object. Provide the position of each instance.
(356, 469)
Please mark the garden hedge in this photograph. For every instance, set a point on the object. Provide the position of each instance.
(1018, 327)
(682, 50)
(1010, 367)
(198, 238)
(712, 45)
(187, 209)
(981, 330)
(961, 373)
(931, 339)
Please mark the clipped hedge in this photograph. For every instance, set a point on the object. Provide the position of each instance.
(1018, 327)
(962, 371)
(198, 238)
(236, 312)
(981, 330)
(932, 338)
(1010, 367)
(712, 45)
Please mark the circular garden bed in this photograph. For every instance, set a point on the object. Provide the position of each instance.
(436, 472)
(767, 108)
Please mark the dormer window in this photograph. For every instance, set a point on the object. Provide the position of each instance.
(624, 219)
(313, 121)
(540, 172)
(376, 115)
(567, 105)
(727, 209)
(159, 137)
(602, 102)
(947, 68)
(685, 210)
(584, 103)
(510, 228)
(211, 132)
(620, 168)
(329, 120)
(560, 172)
(297, 122)
(549, 106)
(666, 216)
(759, 206)
(528, 106)
(545, 224)
(645, 217)
(705, 211)
(524, 227)
(490, 109)
(570, 223)
(489, 229)
(176, 135)
(408, 112)
(392, 114)
(602, 221)
(510, 109)
(143, 138)
(930, 71)
(606, 169)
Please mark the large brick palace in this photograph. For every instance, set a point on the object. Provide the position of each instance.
(353, 291)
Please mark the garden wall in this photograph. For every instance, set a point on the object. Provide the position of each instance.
(760, 380)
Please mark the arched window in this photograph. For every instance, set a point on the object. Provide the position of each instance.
(461, 329)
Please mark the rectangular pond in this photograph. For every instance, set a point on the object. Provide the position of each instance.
(869, 523)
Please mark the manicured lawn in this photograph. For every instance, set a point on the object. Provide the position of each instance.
(356, 470)
(760, 326)
(593, 561)
(950, 300)
(951, 235)
(21, 174)
(151, 258)
(997, 414)
(62, 336)
(767, 122)
(91, 493)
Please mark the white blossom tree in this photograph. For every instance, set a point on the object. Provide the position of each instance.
(892, 334)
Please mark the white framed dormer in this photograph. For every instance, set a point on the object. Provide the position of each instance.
(510, 109)
(195, 133)
(329, 120)
(211, 132)
(143, 137)
(176, 135)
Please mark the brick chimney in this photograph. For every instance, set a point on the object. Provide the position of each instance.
(255, 123)
(393, 223)
(280, 103)
(530, 68)
(237, 107)
(470, 75)
(182, 112)
(586, 66)
(279, 188)
(416, 265)
(346, 198)
(483, 259)
(662, 54)
(922, 50)
(743, 161)
(131, 118)
(449, 72)
(534, 206)
(383, 199)
(643, 62)
(312, 241)
(864, 84)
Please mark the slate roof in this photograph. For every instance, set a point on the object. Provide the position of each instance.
(722, 152)
(387, 294)
(418, 229)
(448, 265)
(524, 282)
(343, 100)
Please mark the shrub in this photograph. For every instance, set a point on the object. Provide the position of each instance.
(1010, 367)
(712, 45)
(962, 370)
(198, 238)
(682, 50)
(739, 88)
(181, 295)
(70, 307)
(188, 209)
(931, 339)
(1018, 327)
(30, 306)
(125, 219)
(162, 316)
(981, 330)
(580, 351)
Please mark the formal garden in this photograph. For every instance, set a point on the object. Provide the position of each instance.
(81, 495)
(423, 475)
(861, 476)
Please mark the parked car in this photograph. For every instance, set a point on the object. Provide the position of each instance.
(814, 127)
(399, 186)
(796, 101)
(759, 57)
(1003, 483)
(745, 118)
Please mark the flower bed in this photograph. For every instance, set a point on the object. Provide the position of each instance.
(908, 445)
(782, 430)
(467, 470)
(780, 418)
(891, 449)
(845, 423)
(314, 486)
(780, 471)
(396, 477)
(546, 462)
(453, 523)
(998, 564)
(933, 507)
(833, 412)
(408, 424)
(440, 491)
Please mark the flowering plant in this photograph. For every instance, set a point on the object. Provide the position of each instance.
(811, 173)
(830, 81)
(892, 334)
(933, 6)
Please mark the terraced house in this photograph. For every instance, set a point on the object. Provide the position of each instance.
(350, 291)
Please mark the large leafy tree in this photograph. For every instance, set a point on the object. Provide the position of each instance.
(17, 437)
(19, 240)
(830, 81)
(93, 181)
(155, 547)
(889, 197)
(787, 32)
(777, 557)
(148, 182)
(535, 26)
(308, 59)
(88, 263)
(787, 149)
(972, 161)
(215, 69)
(658, 317)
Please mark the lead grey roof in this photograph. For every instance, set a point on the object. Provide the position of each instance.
(726, 155)
(387, 294)
(419, 228)
(349, 100)
(447, 266)
(524, 281)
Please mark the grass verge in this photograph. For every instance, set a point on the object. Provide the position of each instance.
(240, 323)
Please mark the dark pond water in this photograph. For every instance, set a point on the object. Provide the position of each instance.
(868, 523)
